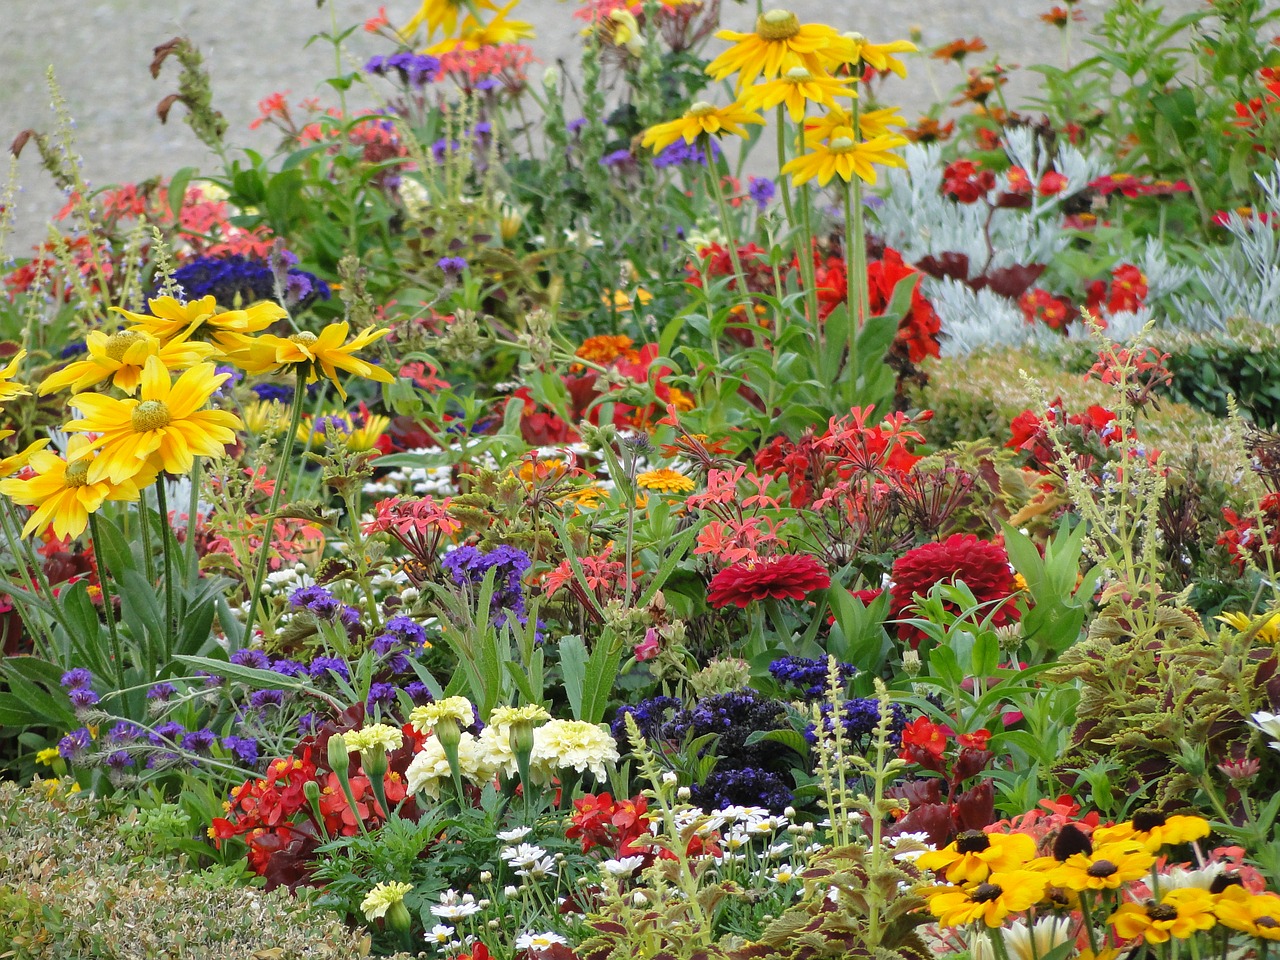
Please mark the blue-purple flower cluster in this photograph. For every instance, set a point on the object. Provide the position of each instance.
(467, 567)
(79, 686)
(808, 675)
(860, 717)
(680, 153)
(236, 281)
(415, 70)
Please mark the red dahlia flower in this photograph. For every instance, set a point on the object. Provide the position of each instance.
(982, 565)
(792, 575)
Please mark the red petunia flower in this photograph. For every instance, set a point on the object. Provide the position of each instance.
(982, 565)
(792, 575)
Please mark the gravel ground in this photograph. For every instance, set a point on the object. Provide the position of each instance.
(100, 51)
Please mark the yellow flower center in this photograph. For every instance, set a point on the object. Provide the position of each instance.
(777, 25)
(119, 343)
(77, 473)
(701, 109)
(841, 145)
(306, 338)
(798, 75)
(150, 415)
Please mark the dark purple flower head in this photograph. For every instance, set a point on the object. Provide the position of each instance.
(288, 668)
(170, 732)
(407, 630)
(418, 692)
(575, 126)
(318, 600)
(198, 741)
(280, 392)
(77, 678)
(161, 692)
(251, 658)
(321, 666)
(381, 694)
(119, 760)
(651, 716)
(809, 675)
(308, 724)
(125, 731)
(74, 743)
(452, 266)
(263, 698)
(680, 153)
(618, 159)
(82, 698)
(746, 786)
(244, 749)
(762, 190)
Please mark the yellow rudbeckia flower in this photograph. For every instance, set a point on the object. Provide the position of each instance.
(8, 389)
(854, 48)
(476, 34)
(312, 354)
(796, 88)
(702, 117)
(779, 43)
(1179, 914)
(166, 428)
(845, 156)
(170, 317)
(442, 15)
(120, 357)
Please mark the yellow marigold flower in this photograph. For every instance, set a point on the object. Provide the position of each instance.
(680, 400)
(170, 317)
(778, 43)
(1179, 914)
(382, 897)
(854, 48)
(424, 718)
(587, 497)
(312, 354)
(442, 15)
(1109, 867)
(1255, 914)
(1001, 894)
(15, 462)
(165, 429)
(1269, 632)
(845, 156)
(702, 117)
(665, 480)
(8, 389)
(974, 855)
(796, 88)
(63, 493)
(120, 357)
(606, 348)
(1154, 830)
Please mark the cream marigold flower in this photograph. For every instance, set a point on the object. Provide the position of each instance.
(120, 357)
(165, 429)
(665, 480)
(529, 713)
(430, 766)
(311, 354)
(62, 493)
(375, 735)
(494, 755)
(702, 117)
(382, 897)
(778, 43)
(424, 718)
(576, 744)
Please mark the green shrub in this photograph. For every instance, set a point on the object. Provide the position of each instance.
(1243, 361)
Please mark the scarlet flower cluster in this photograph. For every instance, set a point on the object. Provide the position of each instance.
(1126, 293)
(963, 182)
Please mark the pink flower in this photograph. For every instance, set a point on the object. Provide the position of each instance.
(647, 648)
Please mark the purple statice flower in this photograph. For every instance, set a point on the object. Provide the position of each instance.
(82, 698)
(681, 153)
(169, 732)
(452, 266)
(126, 731)
(238, 279)
(860, 717)
(651, 716)
(746, 786)
(251, 658)
(244, 749)
(161, 692)
(321, 666)
(119, 760)
(809, 675)
(318, 600)
(76, 679)
(381, 694)
(308, 724)
(264, 698)
(288, 668)
(762, 190)
(74, 744)
(418, 692)
(199, 741)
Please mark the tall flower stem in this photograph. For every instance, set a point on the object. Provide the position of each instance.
(104, 578)
(855, 254)
(803, 240)
(264, 546)
(193, 509)
(730, 238)
(166, 536)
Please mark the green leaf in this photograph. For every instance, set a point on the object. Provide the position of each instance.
(573, 671)
(789, 738)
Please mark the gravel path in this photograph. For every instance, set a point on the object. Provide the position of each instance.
(100, 51)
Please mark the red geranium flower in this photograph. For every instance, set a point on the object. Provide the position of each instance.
(792, 575)
(982, 565)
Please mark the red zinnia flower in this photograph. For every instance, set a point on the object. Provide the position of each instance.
(792, 575)
(982, 565)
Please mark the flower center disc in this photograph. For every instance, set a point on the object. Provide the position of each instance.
(798, 75)
(77, 473)
(304, 339)
(701, 109)
(1103, 868)
(150, 415)
(120, 342)
(777, 25)
(841, 145)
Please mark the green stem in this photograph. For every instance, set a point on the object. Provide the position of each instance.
(193, 508)
(166, 535)
(264, 547)
(713, 172)
(805, 253)
(148, 550)
(103, 579)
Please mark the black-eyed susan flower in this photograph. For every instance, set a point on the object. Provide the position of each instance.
(312, 354)
(120, 357)
(974, 855)
(62, 492)
(665, 480)
(165, 428)
(855, 49)
(9, 389)
(201, 318)
(1178, 915)
(1268, 632)
(1153, 830)
(778, 43)
(702, 117)
(988, 902)
(1255, 914)
(1108, 867)
(846, 157)
(796, 88)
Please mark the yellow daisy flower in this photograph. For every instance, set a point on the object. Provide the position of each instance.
(442, 15)
(1269, 632)
(12, 464)
(854, 48)
(974, 855)
(1153, 830)
(312, 354)
(8, 389)
(169, 318)
(1255, 914)
(1179, 914)
(62, 492)
(796, 88)
(990, 901)
(778, 43)
(120, 357)
(665, 480)
(702, 117)
(165, 429)
(355, 432)
(1109, 867)
(845, 156)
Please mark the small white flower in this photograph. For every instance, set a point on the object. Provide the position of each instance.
(670, 779)
(777, 850)
(486, 876)
(538, 869)
(538, 941)
(514, 834)
(523, 855)
(623, 867)
(453, 906)
(510, 891)
(440, 934)
(784, 874)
